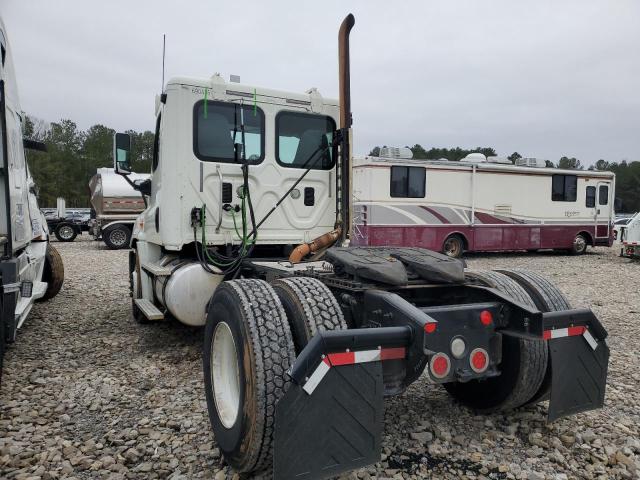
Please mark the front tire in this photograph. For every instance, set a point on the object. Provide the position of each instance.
(579, 245)
(453, 246)
(117, 237)
(247, 350)
(53, 272)
(65, 232)
(523, 366)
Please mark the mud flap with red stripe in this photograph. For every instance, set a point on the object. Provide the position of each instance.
(331, 419)
(579, 361)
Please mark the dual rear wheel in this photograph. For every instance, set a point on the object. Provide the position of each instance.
(253, 333)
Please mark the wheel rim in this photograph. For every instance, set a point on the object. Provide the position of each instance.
(225, 375)
(579, 243)
(452, 247)
(66, 232)
(118, 237)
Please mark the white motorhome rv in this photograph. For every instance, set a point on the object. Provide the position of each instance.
(116, 205)
(631, 238)
(480, 204)
(298, 354)
(30, 268)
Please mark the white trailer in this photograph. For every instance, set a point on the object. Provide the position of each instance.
(480, 204)
(30, 268)
(116, 205)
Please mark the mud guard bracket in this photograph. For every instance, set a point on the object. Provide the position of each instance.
(335, 429)
(579, 362)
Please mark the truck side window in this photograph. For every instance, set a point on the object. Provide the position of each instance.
(298, 138)
(590, 197)
(216, 128)
(156, 146)
(564, 188)
(408, 182)
(603, 195)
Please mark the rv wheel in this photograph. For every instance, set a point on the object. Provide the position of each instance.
(548, 298)
(453, 246)
(117, 237)
(65, 232)
(523, 366)
(247, 350)
(310, 307)
(53, 272)
(579, 245)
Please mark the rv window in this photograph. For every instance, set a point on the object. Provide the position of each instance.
(564, 188)
(215, 125)
(603, 195)
(407, 182)
(591, 197)
(299, 135)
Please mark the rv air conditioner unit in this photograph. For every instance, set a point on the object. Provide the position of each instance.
(494, 159)
(531, 162)
(395, 152)
(475, 158)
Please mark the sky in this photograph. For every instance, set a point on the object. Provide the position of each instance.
(544, 78)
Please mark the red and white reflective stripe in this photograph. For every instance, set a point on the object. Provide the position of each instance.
(571, 332)
(350, 358)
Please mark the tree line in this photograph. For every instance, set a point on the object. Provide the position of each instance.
(627, 173)
(73, 155)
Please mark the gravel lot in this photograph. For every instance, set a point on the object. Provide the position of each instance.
(87, 393)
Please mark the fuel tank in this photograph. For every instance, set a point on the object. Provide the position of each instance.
(186, 292)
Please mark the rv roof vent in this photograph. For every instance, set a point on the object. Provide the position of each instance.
(494, 159)
(531, 162)
(395, 152)
(475, 157)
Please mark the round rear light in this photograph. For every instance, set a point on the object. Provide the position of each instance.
(479, 360)
(430, 327)
(486, 318)
(440, 365)
(458, 347)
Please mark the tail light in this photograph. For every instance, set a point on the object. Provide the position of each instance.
(486, 318)
(479, 360)
(440, 365)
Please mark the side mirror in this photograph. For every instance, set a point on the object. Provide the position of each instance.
(122, 153)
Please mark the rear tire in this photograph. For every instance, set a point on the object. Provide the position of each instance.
(246, 321)
(117, 237)
(53, 272)
(453, 246)
(579, 245)
(523, 366)
(65, 232)
(548, 298)
(310, 307)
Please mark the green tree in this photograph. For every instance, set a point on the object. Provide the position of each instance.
(570, 163)
(514, 156)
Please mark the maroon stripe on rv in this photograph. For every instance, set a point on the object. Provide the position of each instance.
(489, 219)
(435, 214)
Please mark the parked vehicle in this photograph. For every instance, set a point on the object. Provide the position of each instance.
(619, 226)
(480, 204)
(30, 268)
(631, 238)
(65, 223)
(116, 206)
(299, 351)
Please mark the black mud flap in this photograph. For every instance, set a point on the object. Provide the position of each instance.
(336, 428)
(579, 365)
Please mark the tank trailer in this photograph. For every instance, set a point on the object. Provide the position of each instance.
(247, 232)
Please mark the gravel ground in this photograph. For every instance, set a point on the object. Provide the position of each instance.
(87, 393)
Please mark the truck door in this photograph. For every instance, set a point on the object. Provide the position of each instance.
(602, 210)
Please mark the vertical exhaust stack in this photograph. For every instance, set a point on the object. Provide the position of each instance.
(345, 127)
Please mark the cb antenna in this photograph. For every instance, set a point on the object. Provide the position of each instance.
(164, 38)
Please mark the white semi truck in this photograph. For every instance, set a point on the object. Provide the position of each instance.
(247, 232)
(30, 267)
(116, 205)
